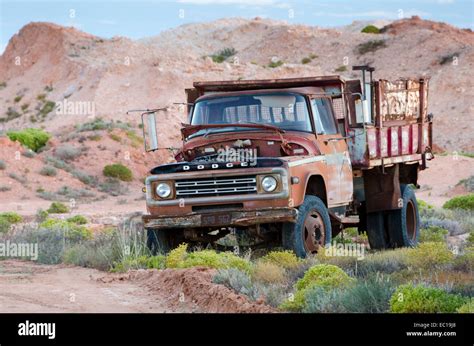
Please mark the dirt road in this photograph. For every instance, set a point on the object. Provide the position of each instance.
(29, 287)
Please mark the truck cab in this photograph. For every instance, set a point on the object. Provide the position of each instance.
(289, 162)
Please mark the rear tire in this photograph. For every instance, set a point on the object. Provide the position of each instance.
(312, 230)
(378, 238)
(404, 223)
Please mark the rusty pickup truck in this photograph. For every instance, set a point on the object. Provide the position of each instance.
(292, 162)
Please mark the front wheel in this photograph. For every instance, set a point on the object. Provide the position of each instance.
(163, 241)
(312, 230)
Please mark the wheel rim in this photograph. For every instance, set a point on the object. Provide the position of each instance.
(314, 232)
(411, 220)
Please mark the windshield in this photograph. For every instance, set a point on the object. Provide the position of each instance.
(285, 110)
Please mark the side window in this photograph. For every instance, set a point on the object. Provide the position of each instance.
(323, 117)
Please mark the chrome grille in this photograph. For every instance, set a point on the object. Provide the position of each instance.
(216, 186)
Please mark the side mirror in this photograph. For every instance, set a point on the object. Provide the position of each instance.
(149, 126)
(362, 111)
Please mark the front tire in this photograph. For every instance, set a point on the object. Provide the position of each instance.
(312, 230)
(158, 241)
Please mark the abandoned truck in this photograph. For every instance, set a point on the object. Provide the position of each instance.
(293, 162)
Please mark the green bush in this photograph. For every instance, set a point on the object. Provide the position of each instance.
(275, 64)
(370, 46)
(369, 296)
(48, 171)
(429, 255)
(141, 262)
(212, 259)
(118, 171)
(58, 208)
(78, 220)
(433, 234)
(223, 55)
(371, 29)
(421, 299)
(4, 225)
(467, 308)
(461, 202)
(11, 217)
(285, 259)
(71, 231)
(176, 256)
(325, 276)
(34, 139)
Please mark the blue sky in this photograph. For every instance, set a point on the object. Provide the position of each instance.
(142, 18)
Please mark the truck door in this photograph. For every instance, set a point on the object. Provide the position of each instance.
(334, 148)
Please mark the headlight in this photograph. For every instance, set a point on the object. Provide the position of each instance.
(163, 190)
(269, 184)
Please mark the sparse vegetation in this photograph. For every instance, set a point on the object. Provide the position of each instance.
(461, 202)
(341, 68)
(223, 55)
(370, 46)
(78, 220)
(3, 165)
(10, 115)
(449, 58)
(275, 64)
(468, 183)
(48, 171)
(17, 98)
(305, 60)
(58, 208)
(20, 178)
(67, 152)
(33, 139)
(118, 171)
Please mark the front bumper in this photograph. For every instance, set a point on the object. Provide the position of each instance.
(230, 218)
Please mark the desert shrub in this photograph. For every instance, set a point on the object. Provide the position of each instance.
(58, 208)
(370, 46)
(454, 227)
(17, 98)
(141, 262)
(118, 171)
(470, 238)
(368, 296)
(135, 139)
(176, 256)
(28, 153)
(371, 29)
(305, 60)
(71, 231)
(468, 183)
(461, 202)
(429, 255)
(448, 58)
(115, 137)
(113, 187)
(3, 165)
(465, 261)
(284, 259)
(467, 308)
(5, 188)
(325, 276)
(223, 55)
(433, 234)
(421, 299)
(275, 64)
(84, 177)
(50, 245)
(48, 171)
(268, 272)
(212, 259)
(41, 215)
(388, 262)
(20, 178)
(69, 192)
(33, 139)
(58, 163)
(78, 220)
(47, 108)
(67, 152)
(4, 225)
(11, 217)
(11, 114)
(341, 68)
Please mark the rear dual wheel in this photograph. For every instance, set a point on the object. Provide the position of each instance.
(395, 228)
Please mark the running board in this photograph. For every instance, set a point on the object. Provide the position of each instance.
(352, 220)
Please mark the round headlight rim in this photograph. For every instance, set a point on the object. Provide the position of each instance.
(275, 182)
(161, 184)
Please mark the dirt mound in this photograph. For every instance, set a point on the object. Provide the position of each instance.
(192, 290)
